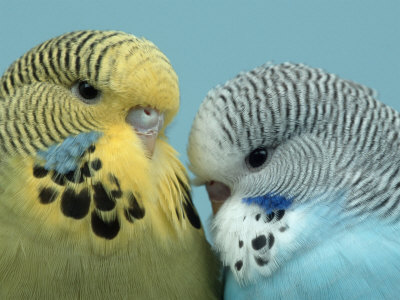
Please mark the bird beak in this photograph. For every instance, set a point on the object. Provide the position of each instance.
(147, 123)
(149, 142)
(218, 193)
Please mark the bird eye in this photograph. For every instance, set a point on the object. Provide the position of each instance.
(86, 92)
(257, 158)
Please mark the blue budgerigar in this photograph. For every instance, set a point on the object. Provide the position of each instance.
(305, 167)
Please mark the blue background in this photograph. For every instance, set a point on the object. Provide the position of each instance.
(209, 42)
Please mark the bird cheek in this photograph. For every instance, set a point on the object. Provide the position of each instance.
(218, 192)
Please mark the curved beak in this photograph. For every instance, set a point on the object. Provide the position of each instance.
(147, 123)
(218, 192)
(149, 141)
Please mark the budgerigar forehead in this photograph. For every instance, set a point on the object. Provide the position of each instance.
(90, 54)
(111, 61)
(265, 107)
(267, 104)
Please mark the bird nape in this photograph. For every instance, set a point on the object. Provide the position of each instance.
(94, 203)
(302, 168)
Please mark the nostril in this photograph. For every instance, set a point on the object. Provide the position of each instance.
(218, 193)
(147, 112)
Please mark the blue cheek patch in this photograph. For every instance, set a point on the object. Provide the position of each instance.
(64, 157)
(270, 202)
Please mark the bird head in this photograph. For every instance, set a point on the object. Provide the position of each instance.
(110, 80)
(276, 130)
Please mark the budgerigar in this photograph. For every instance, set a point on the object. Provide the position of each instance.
(305, 167)
(94, 203)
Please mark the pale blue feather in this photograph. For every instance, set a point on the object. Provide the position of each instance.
(63, 157)
(336, 258)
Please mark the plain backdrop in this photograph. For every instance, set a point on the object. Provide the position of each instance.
(208, 42)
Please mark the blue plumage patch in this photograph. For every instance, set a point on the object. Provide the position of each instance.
(63, 157)
(270, 202)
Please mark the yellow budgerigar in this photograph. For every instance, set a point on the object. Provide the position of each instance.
(94, 203)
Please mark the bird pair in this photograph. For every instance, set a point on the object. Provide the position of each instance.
(95, 204)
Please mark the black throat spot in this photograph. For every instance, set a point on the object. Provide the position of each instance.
(103, 229)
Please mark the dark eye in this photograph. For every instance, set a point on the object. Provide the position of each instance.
(257, 158)
(86, 92)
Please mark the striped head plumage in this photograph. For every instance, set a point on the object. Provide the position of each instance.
(280, 119)
(82, 121)
(286, 150)
(123, 71)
